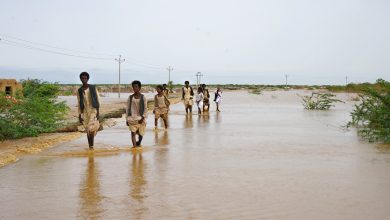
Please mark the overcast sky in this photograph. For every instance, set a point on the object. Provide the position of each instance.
(240, 41)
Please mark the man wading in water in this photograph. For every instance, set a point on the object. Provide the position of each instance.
(206, 98)
(187, 97)
(136, 111)
(88, 108)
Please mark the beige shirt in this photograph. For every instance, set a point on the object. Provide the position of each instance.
(161, 102)
(161, 107)
(135, 107)
(187, 92)
(87, 101)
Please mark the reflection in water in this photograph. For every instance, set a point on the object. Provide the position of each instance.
(137, 185)
(187, 133)
(203, 120)
(90, 192)
(206, 118)
(217, 117)
(163, 140)
(188, 122)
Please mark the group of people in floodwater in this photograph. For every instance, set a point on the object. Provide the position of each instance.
(136, 109)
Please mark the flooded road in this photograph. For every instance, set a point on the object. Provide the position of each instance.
(262, 157)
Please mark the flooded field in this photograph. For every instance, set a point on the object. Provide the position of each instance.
(261, 157)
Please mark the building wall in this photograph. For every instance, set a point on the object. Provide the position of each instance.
(9, 85)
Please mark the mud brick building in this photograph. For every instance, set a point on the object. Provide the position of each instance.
(9, 86)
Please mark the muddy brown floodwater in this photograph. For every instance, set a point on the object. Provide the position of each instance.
(262, 157)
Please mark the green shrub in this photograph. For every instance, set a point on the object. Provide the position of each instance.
(372, 115)
(319, 101)
(256, 91)
(33, 112)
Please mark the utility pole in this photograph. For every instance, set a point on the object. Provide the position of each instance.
(286, 79)
(119, 60)
(198, 77)
(169, 73)
(346, 80)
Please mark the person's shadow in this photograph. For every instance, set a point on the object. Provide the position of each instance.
(91, 207)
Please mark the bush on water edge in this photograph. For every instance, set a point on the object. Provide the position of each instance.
(256, 90)
(372, 115)
(32, 111)
(319, 101)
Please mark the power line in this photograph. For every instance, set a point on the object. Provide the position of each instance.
(54, 47)
(146, 65)
(26, 44)
(34, 44)
(142, 63)
(184, 70)
(21, 45)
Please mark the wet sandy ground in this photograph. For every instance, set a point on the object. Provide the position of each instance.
(262, 157)
(12, 150)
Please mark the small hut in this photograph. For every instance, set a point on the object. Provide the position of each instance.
(9, 86)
